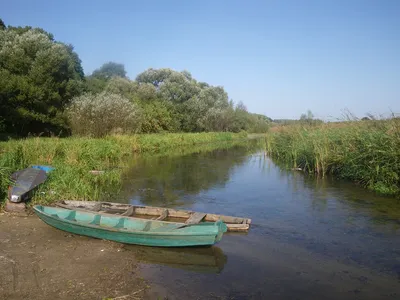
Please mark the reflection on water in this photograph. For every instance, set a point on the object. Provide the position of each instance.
(310, 238)
(198, 259)
(171, 181)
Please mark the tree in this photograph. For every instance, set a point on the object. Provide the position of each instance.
(121, 86)
(155, 77)
(109, 70)
(38, 78)
(102, 114)
(173, 86)
(307, 117)
(2, 25)
(206, 110)
(159, 116)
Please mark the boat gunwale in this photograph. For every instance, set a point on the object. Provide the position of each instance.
(119, 230)
(248, 220)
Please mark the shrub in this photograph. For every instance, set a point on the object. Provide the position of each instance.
(102, 114)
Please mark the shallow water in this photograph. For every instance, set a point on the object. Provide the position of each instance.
(310, 238)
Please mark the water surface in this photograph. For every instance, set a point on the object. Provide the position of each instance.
(310, 238)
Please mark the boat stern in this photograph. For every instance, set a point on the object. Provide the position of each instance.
(222, 228)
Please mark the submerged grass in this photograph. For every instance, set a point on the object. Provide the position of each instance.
(74, 158)
(367, 152)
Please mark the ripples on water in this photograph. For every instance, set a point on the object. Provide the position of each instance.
(311, 238)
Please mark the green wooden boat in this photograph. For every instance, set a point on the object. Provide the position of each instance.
(131, 231)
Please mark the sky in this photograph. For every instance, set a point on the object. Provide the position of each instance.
(280, 58)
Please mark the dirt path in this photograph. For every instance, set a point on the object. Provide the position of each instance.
(41, 262)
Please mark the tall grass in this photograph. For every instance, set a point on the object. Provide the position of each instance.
(367, 152)
(74, 158)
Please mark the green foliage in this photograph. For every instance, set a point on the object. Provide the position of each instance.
(38, 77)
(308, 119)
(200, 106)
(95, 85)
(102, 114)
(159, 116)
(121, 86)
(109, 70)
(2, 25)
(74, 158)
(363, 151)
(258, 123)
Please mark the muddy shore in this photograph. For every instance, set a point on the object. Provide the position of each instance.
(41, 262)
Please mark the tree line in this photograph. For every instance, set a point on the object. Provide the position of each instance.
(43, 90)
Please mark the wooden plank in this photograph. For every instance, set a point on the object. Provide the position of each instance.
(156, 212)
(149, 211)
(227, 219)
(238, 227)
(195, 218)
(129, 212)
(97, 206)
(163, 216)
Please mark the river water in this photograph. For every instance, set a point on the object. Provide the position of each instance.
(310, 238)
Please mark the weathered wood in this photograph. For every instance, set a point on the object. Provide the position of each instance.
(238, 227)
(129, 211)
(163, 216)
(226, 219)
(97, 206)
(195, 218)
(233, 223)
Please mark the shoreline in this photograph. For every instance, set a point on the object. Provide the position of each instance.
(75, 159)
(41, 262)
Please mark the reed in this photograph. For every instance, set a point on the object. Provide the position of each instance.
(74, 158)
(367, 152)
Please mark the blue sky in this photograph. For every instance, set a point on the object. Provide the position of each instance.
(279, 57)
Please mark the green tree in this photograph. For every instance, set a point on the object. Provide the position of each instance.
(206, 111)
(308, 118)
(159, 116)
(102, 114)
(2, 25)
(240, 118)
(153, 76)
(173, 86)
(109, 70)
(38, 77)
(121, 86)
(95, 85)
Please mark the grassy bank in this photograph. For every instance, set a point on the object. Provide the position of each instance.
(367, 152)
(74, 158)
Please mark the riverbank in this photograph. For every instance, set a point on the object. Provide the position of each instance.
(40, 262)
(74, 158)
(366, 152)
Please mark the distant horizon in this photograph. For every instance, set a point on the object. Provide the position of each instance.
(278, 58)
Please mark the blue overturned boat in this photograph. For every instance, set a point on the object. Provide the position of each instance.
(26, 181)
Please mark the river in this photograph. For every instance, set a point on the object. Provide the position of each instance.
(310, 238)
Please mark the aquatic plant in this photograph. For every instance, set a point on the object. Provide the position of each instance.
(367, 152)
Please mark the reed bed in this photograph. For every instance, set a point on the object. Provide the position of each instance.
(367, 152)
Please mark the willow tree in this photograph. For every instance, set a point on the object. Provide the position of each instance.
(38, 78)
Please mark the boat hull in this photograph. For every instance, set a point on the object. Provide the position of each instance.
(233, 223)
(181, 237)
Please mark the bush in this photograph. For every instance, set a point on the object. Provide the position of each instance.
(102, 114)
